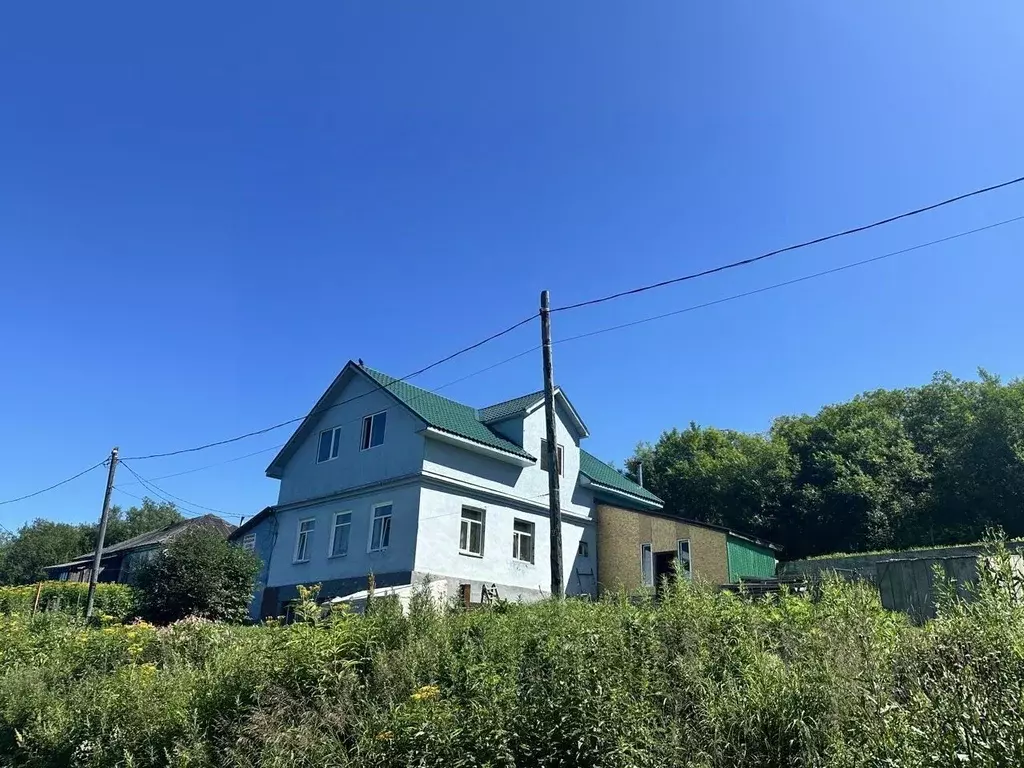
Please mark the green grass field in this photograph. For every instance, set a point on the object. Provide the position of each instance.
(703, 678)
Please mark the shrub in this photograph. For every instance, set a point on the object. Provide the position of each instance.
(117, 600)
(198, 574)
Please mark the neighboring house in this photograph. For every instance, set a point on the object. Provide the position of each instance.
(388, 478)
(120, 560)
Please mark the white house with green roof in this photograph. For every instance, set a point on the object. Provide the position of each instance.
(388, 478)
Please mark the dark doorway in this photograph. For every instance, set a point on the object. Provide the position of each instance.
(664, 567)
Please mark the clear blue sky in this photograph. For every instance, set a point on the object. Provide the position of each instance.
(205, 210)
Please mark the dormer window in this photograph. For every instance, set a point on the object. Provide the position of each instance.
(544, 457)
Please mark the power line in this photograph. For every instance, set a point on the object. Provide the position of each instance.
(790, 282)
(271, 428)
(788, 248)
(167, 495)
(281, 445)
(210, 466)
(55, 485)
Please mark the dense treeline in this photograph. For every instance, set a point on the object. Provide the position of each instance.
(46, 542)
(927, 465)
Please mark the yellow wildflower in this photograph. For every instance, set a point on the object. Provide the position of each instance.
(385, 736)
(426, 693)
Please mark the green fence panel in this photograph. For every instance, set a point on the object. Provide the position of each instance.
(748, 560)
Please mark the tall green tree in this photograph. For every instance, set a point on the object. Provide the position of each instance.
(936, 464)
(37, 545)
(45, 542)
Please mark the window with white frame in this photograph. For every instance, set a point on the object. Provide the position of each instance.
(373, 430)
(684, 565)
(329, 446)
(304, 539)
(544, 457)
(471, 535)
(646, 565)
(380, 530)
(249, 542)
(522, 541)
(583, 550)
(340, 533)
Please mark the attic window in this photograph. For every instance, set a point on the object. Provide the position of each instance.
(544, 457)
(373, 430)
(330, 443)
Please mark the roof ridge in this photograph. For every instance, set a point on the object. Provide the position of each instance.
(393, 380)
(513, 399)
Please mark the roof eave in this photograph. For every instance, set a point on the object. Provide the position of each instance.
(451, 438)
(588, 481)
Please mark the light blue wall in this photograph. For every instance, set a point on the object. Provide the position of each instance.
(264, 531)
(401, 453)
(399, 556)
(512, 429)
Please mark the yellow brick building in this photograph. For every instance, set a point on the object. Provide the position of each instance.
(635, 549)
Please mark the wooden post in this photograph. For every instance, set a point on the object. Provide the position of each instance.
(554, 493)
(104, 515)
(39, 591)
(467, 594)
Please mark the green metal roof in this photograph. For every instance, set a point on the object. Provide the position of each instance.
(508, 408)
(444, 414)
(599, 472)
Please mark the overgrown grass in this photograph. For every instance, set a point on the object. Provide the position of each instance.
(117, 600)
(704, 679)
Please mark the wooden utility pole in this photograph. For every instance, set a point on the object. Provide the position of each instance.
(94, 574)
(554, 493)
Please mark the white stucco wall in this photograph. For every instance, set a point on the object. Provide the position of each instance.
(437, 547)
(401, 453)
(530, 483)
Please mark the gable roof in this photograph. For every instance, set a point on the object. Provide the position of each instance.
(444, 414)
(434, 410)
(608, 476)
(157, 537)
(526, 404)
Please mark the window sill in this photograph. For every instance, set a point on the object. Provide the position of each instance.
(300, 562)
(516, 561)
(326, 461)
(371, 447)
(337, 557)
(479, 556)
(373, 551)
